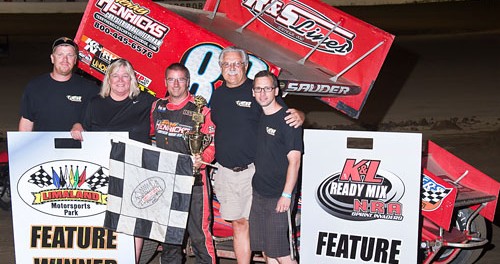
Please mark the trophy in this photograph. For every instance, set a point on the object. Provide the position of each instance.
(196, 140)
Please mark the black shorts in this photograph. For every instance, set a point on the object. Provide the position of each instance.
(268, 229)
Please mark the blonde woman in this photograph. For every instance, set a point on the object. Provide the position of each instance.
(120, 106)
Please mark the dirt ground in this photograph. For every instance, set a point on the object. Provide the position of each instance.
(441, 79)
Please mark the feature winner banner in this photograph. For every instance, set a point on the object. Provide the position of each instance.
(59, 195)
(344, 45)
(360, 197)
(152, 37)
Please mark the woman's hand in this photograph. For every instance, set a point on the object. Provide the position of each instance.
(76, 131)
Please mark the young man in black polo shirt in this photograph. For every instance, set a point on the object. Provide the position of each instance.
(277, 163)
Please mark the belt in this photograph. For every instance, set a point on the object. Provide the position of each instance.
(238, 169)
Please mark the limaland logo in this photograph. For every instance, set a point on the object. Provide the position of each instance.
(362, 191)
(66, 188)
(303, 24)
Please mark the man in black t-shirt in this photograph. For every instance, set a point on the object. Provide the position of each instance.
(236, 115)
(277, 163)
(55, 101)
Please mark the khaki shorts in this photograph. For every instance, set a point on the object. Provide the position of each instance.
(234, 192)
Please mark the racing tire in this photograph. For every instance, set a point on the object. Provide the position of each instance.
(465, 255)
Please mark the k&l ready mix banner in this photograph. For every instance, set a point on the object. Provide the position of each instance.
(360, 197)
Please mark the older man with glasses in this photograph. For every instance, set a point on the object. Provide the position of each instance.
(236, 115)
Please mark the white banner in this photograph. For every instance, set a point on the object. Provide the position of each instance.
(360, 197)
(59, 195)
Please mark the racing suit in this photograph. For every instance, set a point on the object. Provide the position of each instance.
(168, 124)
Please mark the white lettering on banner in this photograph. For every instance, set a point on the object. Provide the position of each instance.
(347, 189)
(318, 88)
(134, 14)
(171, 128)
(360, 248)
(135, 8)
(304, 23)
(92, 46)
(291, 14)
(356, 189)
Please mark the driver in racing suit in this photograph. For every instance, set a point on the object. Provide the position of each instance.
(170, 118)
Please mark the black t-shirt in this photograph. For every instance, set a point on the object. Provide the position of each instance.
(56, 106)
(236, 115)
(132, 115)
(275, 139)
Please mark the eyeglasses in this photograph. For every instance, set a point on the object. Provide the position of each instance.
(267, 89)
(238, 64)
(180, 80)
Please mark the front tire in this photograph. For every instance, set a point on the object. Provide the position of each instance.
(465, 255)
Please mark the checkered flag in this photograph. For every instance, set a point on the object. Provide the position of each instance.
(40, 178)
(434, 197)
(149, 191)
(97, 180)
